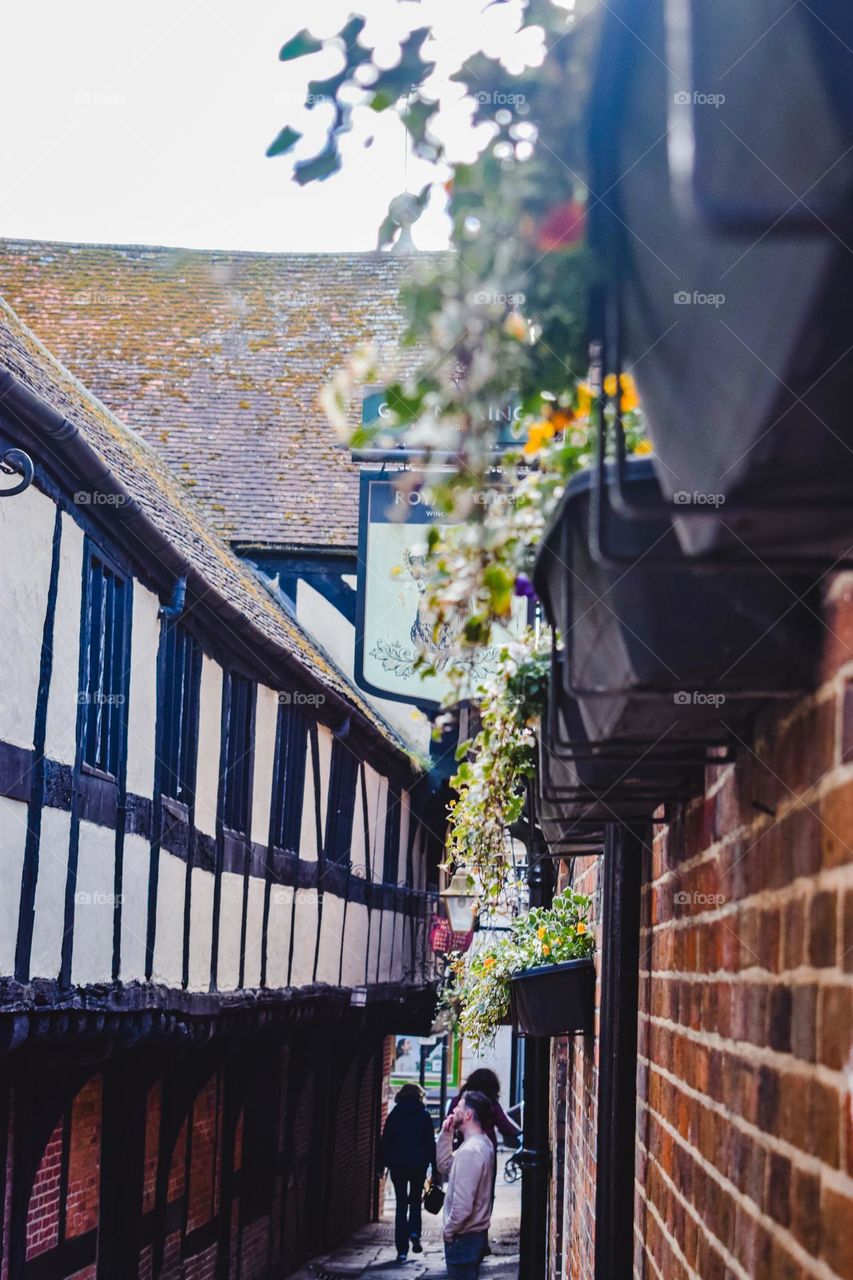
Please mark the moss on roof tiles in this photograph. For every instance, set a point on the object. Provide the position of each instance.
(230, 346)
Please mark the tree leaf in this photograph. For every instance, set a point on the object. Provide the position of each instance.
(320, 167)
(286, 141)
(300, 45)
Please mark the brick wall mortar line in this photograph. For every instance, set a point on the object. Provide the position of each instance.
(773, 1228)
(837, 1179)
(755, 1055)
(674, 1244)
(803, 975)
(832, 780)
(839, 877)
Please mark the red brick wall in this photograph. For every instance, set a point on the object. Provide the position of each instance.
(576, 1208)
(43, 1212)
(84, 1160)
(328, 1193)
(744, 1166)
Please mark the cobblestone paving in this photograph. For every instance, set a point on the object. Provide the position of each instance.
(370, 1253)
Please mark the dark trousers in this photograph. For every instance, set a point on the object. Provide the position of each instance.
(408, 1188)
(464, 1254)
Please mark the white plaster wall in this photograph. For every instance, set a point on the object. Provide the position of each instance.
(404, 876)
(358, 847)
(169, 935)
(304, 937)
(266, 713)
(94, 906)
(48, 924)
(373, 956)
(388, 941)
(142, 706)
(355, 945)
(13, 834)
(308, 829)
(254, 930)
(209, 729)
(62, 699)
(375, 818)
(230, 928)
(278, 934)
(324, 739)
(134, 907)
(26, 532)
(337, 636)
(201, 928)
(331, 936)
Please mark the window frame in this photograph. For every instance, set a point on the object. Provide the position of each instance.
(340, 805)
(105, 661)
(235, 801)
(179, 758)
(290, 771)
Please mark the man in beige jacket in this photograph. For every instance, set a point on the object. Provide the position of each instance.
(470, 1174)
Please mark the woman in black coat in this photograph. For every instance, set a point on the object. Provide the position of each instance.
(407, 1150)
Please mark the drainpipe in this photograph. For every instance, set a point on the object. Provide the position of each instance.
(535, 1156)
(625, 846)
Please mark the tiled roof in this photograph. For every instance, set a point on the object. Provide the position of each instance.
(218, 574)
(217, 359)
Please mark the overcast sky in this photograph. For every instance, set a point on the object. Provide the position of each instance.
(147, 123)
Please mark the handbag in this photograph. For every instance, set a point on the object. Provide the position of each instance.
(434, 1197)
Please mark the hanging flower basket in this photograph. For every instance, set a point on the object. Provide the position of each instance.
(554, 999)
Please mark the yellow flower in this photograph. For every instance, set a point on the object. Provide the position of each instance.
(546, 950)
(488, 962)
(557, 941)
(584, 399)
(630, 399)
(581, 928)
(643, 446)
(538, 434)
(515, 326)
(540, 933)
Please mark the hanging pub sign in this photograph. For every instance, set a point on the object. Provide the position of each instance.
(510, 428)
(393, 627)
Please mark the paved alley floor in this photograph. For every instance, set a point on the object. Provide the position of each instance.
(370, 1252)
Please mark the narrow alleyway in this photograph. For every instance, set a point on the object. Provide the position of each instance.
(370, 1251)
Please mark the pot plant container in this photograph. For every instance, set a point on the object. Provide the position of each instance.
(539, 973)
(659, 651)
(739, 340)
(554, 999)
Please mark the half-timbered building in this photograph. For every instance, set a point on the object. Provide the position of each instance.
(215, 860)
